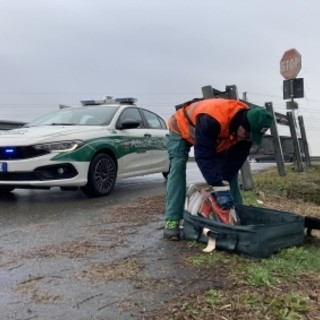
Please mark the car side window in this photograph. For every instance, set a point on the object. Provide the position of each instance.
(154, 121)
(131, 114)
(163, 124)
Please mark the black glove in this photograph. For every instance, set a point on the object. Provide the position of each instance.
(223, 196)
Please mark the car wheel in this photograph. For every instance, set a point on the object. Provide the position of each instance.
(5, 189)
(102, 176)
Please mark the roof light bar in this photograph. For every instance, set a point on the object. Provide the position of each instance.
(128, 100)
(109, 100)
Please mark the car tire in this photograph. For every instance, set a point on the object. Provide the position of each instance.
(6, 189)
(102, 176)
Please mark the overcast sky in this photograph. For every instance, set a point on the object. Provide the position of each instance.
(159, 51)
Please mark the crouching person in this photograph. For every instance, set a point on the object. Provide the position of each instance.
(222, 132)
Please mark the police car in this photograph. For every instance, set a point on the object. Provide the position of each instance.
(91, 147)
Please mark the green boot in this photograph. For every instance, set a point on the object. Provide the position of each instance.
(171, 230)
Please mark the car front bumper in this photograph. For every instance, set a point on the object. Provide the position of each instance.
(43, 172)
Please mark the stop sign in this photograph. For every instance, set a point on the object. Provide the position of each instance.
(290, 64)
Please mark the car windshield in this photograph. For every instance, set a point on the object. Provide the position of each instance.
(77, 116)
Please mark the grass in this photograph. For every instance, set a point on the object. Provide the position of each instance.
(283, 267)
(285, 286)
(294, 185)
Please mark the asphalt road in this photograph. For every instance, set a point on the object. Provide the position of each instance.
(65, 256)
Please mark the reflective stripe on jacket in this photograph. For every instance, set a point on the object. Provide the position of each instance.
(222, 110)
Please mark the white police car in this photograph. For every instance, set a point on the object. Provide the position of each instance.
(91, 147)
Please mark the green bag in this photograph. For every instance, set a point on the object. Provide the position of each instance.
(261, 232)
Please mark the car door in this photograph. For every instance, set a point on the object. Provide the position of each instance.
(137, 156)
(159, 138)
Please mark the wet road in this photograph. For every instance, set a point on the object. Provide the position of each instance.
(51, 241)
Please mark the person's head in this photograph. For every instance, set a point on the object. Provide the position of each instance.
(260, 120)
(255, 125)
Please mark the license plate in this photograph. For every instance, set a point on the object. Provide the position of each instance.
(3, 167)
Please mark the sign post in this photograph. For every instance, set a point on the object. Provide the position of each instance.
(290, 66)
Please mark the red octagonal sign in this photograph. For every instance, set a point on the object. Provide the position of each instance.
(290, 64)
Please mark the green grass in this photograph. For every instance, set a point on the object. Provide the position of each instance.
(280, 270)
(214, 297)
(289, 306)
(281, 287)
(282, 267)
(294, 185)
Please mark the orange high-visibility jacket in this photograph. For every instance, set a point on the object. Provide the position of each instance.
(222, 110)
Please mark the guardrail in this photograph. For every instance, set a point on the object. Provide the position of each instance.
(280, 147)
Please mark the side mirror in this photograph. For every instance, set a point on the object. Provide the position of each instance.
(128, 124)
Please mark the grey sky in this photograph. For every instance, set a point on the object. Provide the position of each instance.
(161, 52)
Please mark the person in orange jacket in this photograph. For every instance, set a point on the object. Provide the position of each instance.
(222, 132)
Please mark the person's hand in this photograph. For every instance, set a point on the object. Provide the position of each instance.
(223, 196)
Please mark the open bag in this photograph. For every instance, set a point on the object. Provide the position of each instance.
(259, 232)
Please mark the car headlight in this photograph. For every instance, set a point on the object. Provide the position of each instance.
(60, 146)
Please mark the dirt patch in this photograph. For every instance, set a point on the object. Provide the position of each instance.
(236, 304)
(231, 298)
(119, 270)
(30, 289)
(297, 206)
(71, 249)
(141, 211)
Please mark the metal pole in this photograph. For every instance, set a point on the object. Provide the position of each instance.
(246, 176)
(295, 141)
(304, 141)
(207, 92)
(246, 173)
(232, 92)
(276, 141)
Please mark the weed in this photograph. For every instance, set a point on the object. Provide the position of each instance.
(250, 198)
(214, 297)
(204, 260)
(285, 266)
(216, 258)
(290, 306)
(258, 276)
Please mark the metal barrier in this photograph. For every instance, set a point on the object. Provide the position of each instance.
(283, 148)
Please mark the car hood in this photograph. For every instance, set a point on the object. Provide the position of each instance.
(34, 135)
